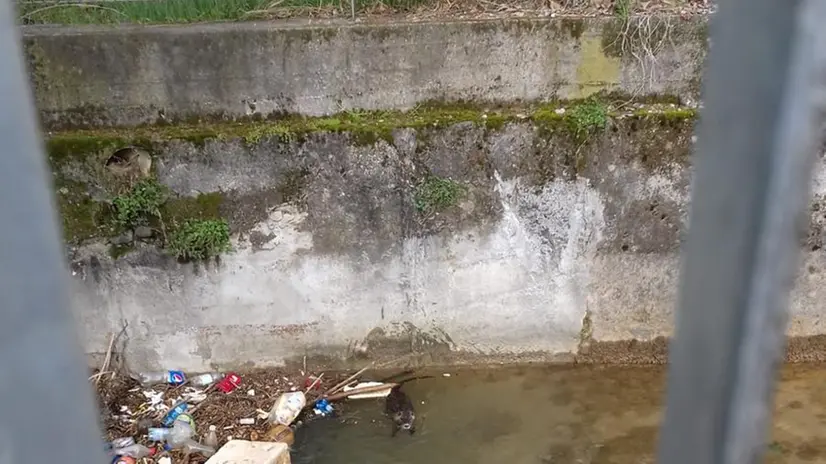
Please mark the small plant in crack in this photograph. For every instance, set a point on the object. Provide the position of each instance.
(587, 117)
(200, 239)
(622, 9)
(141, 203)
(437, 193)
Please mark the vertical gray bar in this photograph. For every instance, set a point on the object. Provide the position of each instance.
(757, 140)
(47, 412)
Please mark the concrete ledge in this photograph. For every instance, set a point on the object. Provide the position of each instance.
(102, 76)
(251, 452)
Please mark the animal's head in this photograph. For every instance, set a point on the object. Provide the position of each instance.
(405, 420)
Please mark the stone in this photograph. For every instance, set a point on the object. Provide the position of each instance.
(251, 452)
(123, 239)
(143, 232)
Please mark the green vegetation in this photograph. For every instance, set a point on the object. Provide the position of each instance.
(140, 204)
(622, 9)
(587, 117)
(566, 125)
(189, 11)
(437, 194)
(200, 239)
(364, 127)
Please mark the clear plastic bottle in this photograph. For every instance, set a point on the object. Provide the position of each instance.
(168, 377)
(211, 439)
(158, 433)
(205, 380)
(135, 450)
(192, 446)
(179, 434)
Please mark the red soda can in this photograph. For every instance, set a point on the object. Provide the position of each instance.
(229, 383)
(308, 382)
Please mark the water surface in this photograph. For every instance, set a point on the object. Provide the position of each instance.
(546, 414)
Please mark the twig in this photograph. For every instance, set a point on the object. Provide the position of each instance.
(63, 5)
(346, 381)
(123, 348)
(97, 376)
(108, 357)
(315, 382)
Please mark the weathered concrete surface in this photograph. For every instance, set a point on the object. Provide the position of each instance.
(557, 249)
(540, 243)
(136, 75)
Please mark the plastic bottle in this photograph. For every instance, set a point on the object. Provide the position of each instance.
(211, 439)
(287, 408)
(192, 446)
(158, 433)
(169, 377)
(173, 414)
(122, 442)
(205, 380)
(179, 434)
(135, 450)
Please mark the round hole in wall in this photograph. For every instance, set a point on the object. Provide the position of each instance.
(129, 160)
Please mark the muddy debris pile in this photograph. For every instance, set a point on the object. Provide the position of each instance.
(170, 417)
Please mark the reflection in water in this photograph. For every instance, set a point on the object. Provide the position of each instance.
(546, 414)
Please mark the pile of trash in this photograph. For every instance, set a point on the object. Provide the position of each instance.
(169, 417)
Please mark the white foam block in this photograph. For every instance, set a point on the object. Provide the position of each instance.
(251, 452)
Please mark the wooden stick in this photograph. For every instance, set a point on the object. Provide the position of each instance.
(358, 391)
(346, 381)
(315, 382)
(108, 357)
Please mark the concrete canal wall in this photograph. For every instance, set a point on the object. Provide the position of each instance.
(459, 230)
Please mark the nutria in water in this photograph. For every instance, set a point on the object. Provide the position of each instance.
(400, 409)
(398, 405)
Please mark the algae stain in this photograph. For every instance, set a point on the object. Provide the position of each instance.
(596, 71)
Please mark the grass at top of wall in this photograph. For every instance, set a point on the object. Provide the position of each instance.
(364, 127)
(190, 11)
(187, 11)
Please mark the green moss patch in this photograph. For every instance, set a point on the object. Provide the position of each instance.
(436, 194)
(82, 217)
(364, 127)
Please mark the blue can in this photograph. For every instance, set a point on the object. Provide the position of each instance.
(323, 407)
(175, 377)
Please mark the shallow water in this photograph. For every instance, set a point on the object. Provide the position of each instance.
(548, 414)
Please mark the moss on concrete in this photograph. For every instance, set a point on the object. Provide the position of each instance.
(569, 125)
(573, 27)
(364, 127)
(82, 217)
